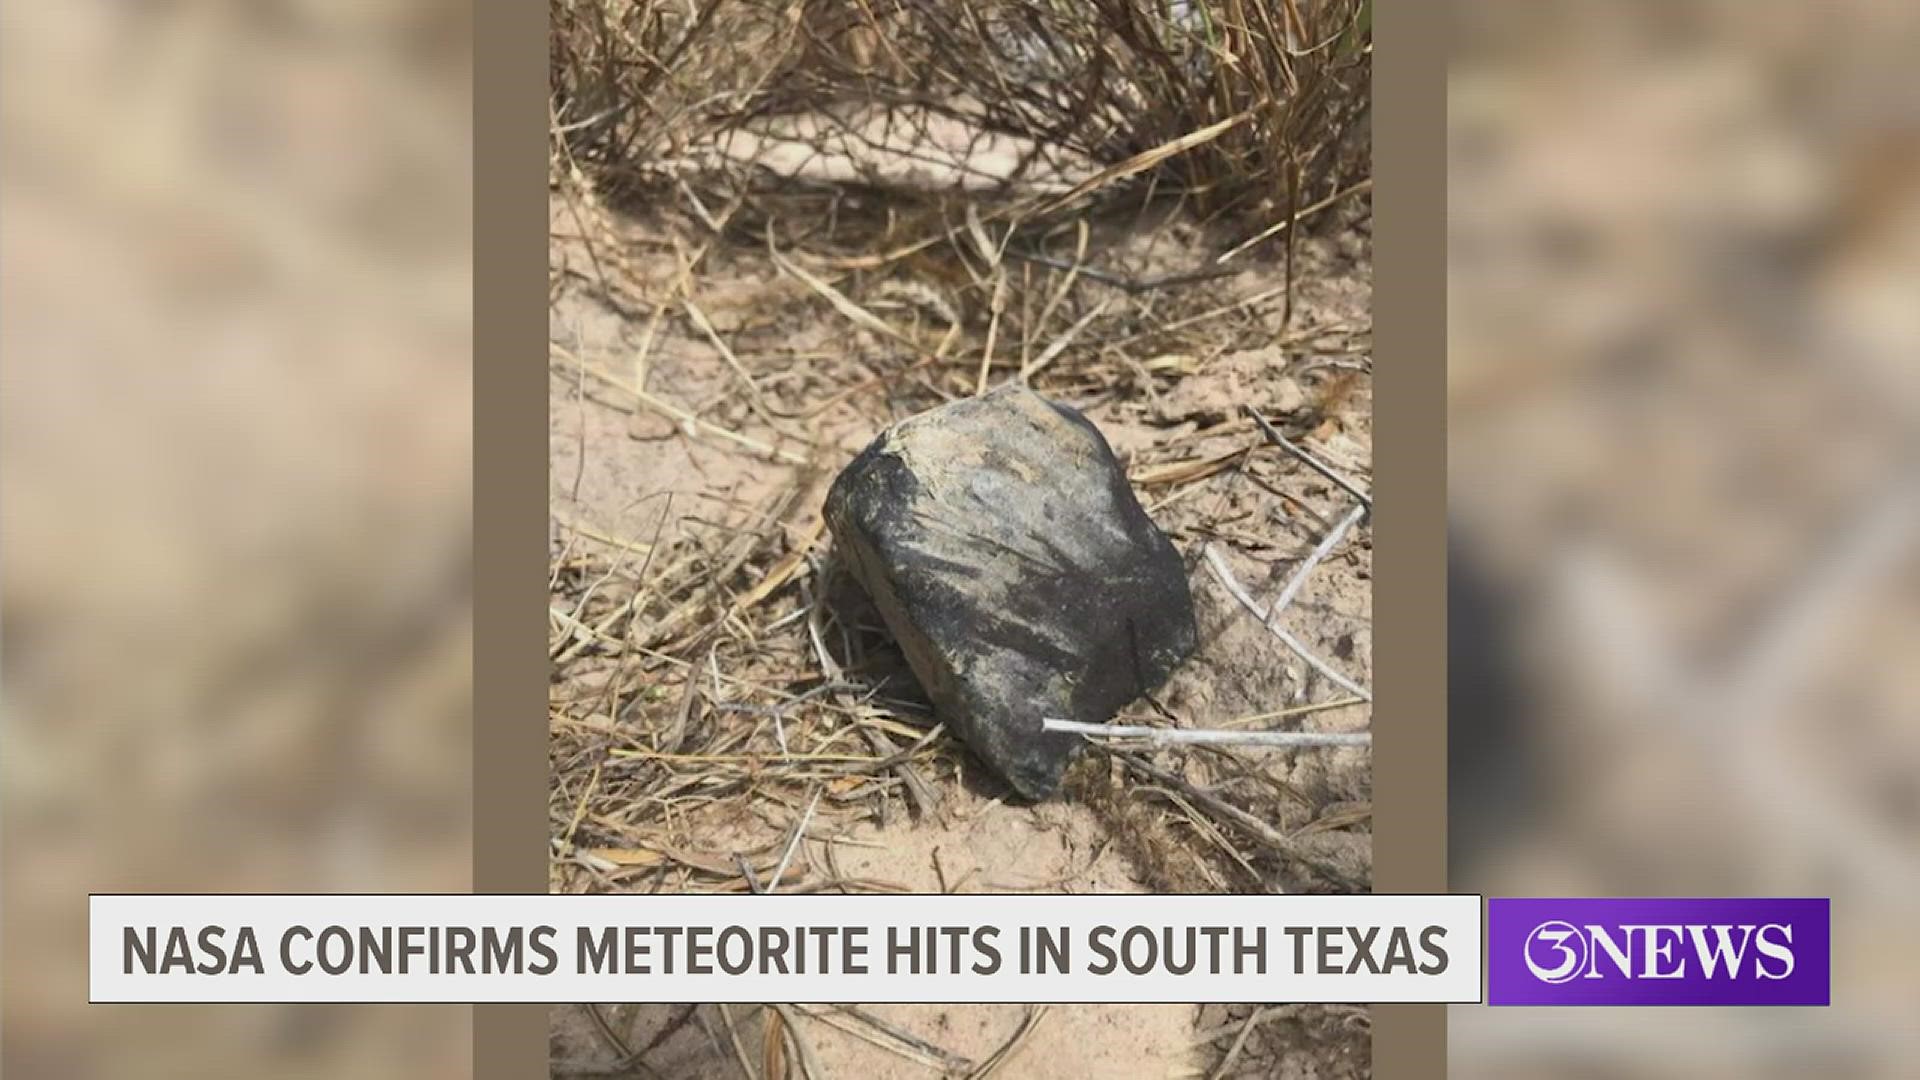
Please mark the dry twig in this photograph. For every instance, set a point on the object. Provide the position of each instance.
(1213, 737)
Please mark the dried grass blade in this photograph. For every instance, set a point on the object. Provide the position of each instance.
(1147, 159)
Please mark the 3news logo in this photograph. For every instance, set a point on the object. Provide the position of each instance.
(1658, 952)
(1557, 951)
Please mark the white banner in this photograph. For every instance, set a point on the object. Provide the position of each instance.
(802, 949)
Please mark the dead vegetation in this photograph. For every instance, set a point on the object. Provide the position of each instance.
(779, 227)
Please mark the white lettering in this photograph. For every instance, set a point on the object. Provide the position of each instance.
(1777, 946)
(1657, 942)
(1722, 950)
(1600, 940)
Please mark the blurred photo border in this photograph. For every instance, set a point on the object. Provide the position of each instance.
(510, 493)
(1410, 455)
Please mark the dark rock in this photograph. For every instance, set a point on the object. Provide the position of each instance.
(1493, 751)
(1004, 548)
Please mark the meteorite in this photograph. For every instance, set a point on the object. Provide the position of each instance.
(1004, 548)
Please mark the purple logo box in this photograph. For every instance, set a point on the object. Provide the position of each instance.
(1658, 952)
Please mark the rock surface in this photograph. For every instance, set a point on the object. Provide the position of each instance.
(1001, 542)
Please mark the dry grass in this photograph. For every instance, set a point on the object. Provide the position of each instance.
(641, 90)
(961, 194)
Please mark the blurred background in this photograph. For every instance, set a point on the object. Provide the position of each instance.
(1685, 241)
(1684, 378)
(235, 454)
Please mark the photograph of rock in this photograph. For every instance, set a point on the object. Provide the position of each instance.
(960, 468)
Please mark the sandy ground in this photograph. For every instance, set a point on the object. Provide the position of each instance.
(988, 847)
(1204, 476)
